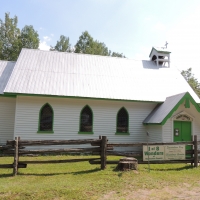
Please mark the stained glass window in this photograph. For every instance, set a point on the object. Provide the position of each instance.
(122, 121)
(46, 118)
(86, 120)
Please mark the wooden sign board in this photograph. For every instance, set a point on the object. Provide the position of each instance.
(153, 153)
(175, 152)
(163, 152)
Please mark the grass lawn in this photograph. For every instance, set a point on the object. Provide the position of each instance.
(85, 181)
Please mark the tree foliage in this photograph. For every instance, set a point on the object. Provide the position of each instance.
(62, 45)
(193, 82)
(87, 45)
(29, 38)
(12, 40)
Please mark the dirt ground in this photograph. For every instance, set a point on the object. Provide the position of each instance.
(186, 191)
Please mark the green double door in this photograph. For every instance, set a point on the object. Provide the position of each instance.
(183, 132)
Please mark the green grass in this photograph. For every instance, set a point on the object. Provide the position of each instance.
(84, 181)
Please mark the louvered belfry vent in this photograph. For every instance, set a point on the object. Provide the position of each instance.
(122, 121)
(46, 118)
(86, 120)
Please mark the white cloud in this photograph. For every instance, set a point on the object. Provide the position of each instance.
(44, 46)
(44, 43)
(46, 38)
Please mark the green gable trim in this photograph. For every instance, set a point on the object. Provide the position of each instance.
(188, 99)
(187, 103)
(77, 97)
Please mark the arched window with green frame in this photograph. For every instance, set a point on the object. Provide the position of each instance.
(86, 121)
(122, 122)
(46, 117)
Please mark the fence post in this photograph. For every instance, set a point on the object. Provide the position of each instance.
(103, 152)
(195, 151)
(16, 154)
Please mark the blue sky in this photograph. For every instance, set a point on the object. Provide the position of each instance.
(130, 27)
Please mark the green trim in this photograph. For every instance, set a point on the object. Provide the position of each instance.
(39, 131)
(85, 132)
(89, 132)
(167, 52)
(187, 95)
(187, 103)
(77, 97)
(117, 133)
(8, 96)
(117, 118)
(44, 132)
(152, 124)
(188, 99)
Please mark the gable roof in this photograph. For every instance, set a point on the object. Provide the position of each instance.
(79, 75)
(159, 50)
(164, 111)
(6, 68)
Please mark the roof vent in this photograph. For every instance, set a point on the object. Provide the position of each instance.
(161, 56)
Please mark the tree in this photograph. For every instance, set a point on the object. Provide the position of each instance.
(29, 38)
(9, 38)
(62, 45)
(189, 77)
(115, 54)
(87, 45)
(12, 40)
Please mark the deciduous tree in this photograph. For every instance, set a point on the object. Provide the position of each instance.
(193, 82)
(12, 40)
(62, 45)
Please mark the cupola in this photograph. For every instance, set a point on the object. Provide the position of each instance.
(161, 56)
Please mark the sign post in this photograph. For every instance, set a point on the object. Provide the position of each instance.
(148, 149)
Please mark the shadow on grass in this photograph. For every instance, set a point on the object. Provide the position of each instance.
(53, 174)
(6, 175)
(172, 169)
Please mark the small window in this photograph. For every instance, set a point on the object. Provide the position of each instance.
(46, 119)
(86, 120)
(122, 121)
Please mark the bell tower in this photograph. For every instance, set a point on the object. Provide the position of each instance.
(161, 56)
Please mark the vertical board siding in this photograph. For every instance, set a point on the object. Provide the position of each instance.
(67, 116)
(7, 117)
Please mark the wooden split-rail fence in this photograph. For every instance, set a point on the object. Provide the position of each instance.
(99, 146)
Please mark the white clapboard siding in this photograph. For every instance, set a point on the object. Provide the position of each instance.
(155, 133)
(7, 116)
(167, 131)
(67, 115)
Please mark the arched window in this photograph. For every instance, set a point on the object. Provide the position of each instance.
(86, 120)
(122, 121)
(46, 119)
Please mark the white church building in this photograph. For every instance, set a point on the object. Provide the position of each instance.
(54, 95)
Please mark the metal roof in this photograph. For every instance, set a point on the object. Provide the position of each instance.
(161, 111)
(80, 75)
(6, 68)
